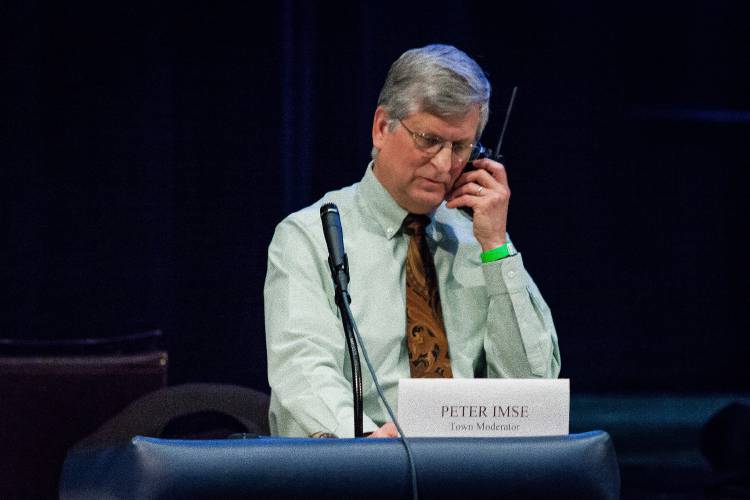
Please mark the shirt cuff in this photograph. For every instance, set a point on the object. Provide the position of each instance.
(323, 435)
(505, 276)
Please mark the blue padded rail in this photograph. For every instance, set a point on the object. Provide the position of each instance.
(581, 466)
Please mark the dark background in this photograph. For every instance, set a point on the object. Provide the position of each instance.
(147, 152)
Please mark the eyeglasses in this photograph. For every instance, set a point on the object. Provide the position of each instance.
(432, 145)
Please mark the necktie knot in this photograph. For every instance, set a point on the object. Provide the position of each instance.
(414, 224)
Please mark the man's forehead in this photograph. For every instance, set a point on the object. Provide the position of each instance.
(463, 124)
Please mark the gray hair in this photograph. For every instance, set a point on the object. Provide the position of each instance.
(437, 79)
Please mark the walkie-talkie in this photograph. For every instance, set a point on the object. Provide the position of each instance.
(479, 151)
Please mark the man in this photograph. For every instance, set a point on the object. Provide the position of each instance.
(434, 292)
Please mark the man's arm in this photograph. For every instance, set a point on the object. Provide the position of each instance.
(521, 341)
(305, 340)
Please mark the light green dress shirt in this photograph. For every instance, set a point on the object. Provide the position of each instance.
(497, 323)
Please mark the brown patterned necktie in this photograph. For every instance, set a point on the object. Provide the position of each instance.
(425, 330)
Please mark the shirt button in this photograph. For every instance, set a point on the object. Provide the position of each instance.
(511, 274)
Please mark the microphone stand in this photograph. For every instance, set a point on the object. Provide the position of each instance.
(343, 299)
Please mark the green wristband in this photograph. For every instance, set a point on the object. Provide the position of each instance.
(496, 253)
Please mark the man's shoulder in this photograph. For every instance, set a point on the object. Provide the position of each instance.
(309, 216)
(301, 232)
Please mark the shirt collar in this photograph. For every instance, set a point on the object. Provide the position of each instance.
(388, 214)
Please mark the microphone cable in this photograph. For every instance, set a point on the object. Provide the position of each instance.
(402, 436)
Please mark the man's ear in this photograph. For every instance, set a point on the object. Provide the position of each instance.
(379, 127)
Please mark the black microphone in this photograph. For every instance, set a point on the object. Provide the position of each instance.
(339, 264)
(337, 260)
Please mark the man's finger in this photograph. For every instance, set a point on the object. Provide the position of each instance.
(482, 177)
(386, 430)
(470, 188)
(465, 200)
(495, 169)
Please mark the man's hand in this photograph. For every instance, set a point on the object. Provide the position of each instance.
(388, 430)
(485, 190)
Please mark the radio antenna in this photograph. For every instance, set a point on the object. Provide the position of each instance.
(505, 124)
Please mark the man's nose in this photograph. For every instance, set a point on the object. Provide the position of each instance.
(443, 160)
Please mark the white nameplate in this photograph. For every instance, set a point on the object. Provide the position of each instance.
(494, 407)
